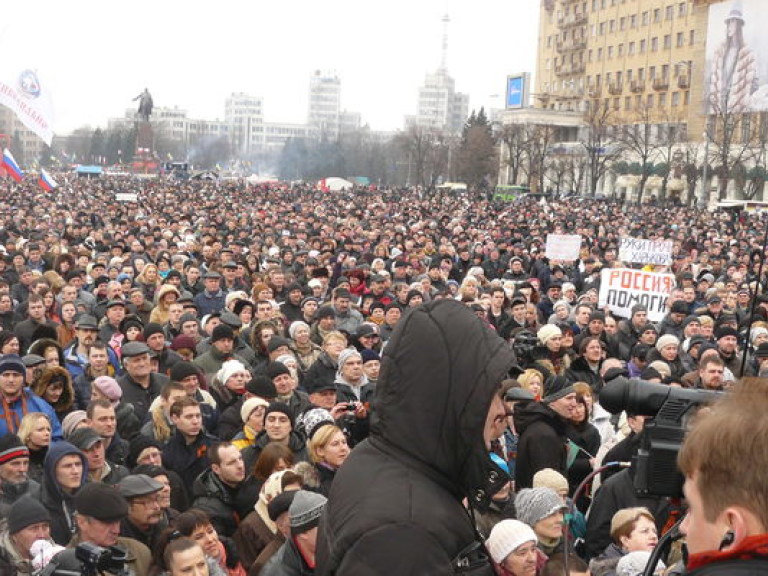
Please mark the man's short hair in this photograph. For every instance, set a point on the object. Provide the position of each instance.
(169, 387)
(214, 453)
(725, 450)
(178, 407)
(708, 360)
(98, 403)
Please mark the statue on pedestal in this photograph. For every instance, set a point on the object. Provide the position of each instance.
(145, 104)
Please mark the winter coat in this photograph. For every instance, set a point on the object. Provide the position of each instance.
(605, 564)
(9, 493)
(624, 340)
(188, 460)
(214, 498)
(395, 506)
(542, 442)
(287, 561)
(296, 443)
(138, 557)
(33, 404)
(580, 371)
(141, 398)
(617, 493)
(587, 437)
(60, 504)
(322, 370)
(11, 562)
(252, 537)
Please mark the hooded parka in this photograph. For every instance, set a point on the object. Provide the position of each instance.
(395, 506)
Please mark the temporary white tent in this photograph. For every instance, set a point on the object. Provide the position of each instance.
(335, 184)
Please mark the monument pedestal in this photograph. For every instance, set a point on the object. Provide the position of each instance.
(144, 160)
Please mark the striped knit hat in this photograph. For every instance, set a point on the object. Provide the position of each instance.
(11, 447)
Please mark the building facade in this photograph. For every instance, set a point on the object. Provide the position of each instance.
(440, 107)
(324, 116)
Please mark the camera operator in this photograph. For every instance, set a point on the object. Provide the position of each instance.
(724, 460)
(100, 509)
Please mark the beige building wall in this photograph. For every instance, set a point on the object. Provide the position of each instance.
(640, 57)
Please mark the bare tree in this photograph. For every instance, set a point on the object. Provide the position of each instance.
(542, 138)
(514, 139)
(600, 146)
(636, 137)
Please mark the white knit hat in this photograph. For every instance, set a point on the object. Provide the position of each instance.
(250, 405)
(548, 331)
(506, 537)
(666, 340)
(228, 368)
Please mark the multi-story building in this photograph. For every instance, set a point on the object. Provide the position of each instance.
(440, 107)
(243, 113)
(324, 117)
(631, 56)
(692, 68)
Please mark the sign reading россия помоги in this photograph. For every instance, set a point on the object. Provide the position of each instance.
(623, 288)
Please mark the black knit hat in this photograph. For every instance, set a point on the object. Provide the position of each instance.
(555, 388)
(276, 342)
(11, 448)
(222, 332)
(282, 408)
(151, 329)
(101, 501)
(25, 512)
(275, 369)
(280, 504)
(183, 369)
(138, 444)
(262, 387)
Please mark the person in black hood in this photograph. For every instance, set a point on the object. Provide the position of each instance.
(542, 426)
(65, 472)
(395, 507)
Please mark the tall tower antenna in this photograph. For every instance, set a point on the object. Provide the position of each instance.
(444, 56)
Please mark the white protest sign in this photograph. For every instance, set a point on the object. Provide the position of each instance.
(641, 251)
(563, 246)
(623, 288)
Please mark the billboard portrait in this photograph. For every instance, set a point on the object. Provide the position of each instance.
(737, 57)
(517, 91)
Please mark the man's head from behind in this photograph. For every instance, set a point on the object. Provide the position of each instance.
(724, 460)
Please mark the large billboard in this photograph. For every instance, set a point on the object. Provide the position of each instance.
(737, 57)
(517, 90)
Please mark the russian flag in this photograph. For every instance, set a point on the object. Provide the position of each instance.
(46, 181)
(9, 163)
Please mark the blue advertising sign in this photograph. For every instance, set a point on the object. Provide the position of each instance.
(515, 91)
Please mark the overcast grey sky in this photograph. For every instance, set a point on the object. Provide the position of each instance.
(98, 55)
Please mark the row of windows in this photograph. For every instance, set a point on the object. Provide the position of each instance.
(630, 48)
(668, 13)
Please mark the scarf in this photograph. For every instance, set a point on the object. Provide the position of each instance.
(12, 419)
(750, 548)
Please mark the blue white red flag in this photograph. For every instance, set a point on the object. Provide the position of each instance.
(9, 163)
(46, 181)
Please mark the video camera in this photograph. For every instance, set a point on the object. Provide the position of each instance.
(88, 560)
(656, 471)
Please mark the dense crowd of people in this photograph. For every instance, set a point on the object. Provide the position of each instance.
(214, 379)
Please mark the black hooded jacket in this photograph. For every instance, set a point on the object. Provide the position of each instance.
(60, 504)
(542, 442)
(395, 506)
